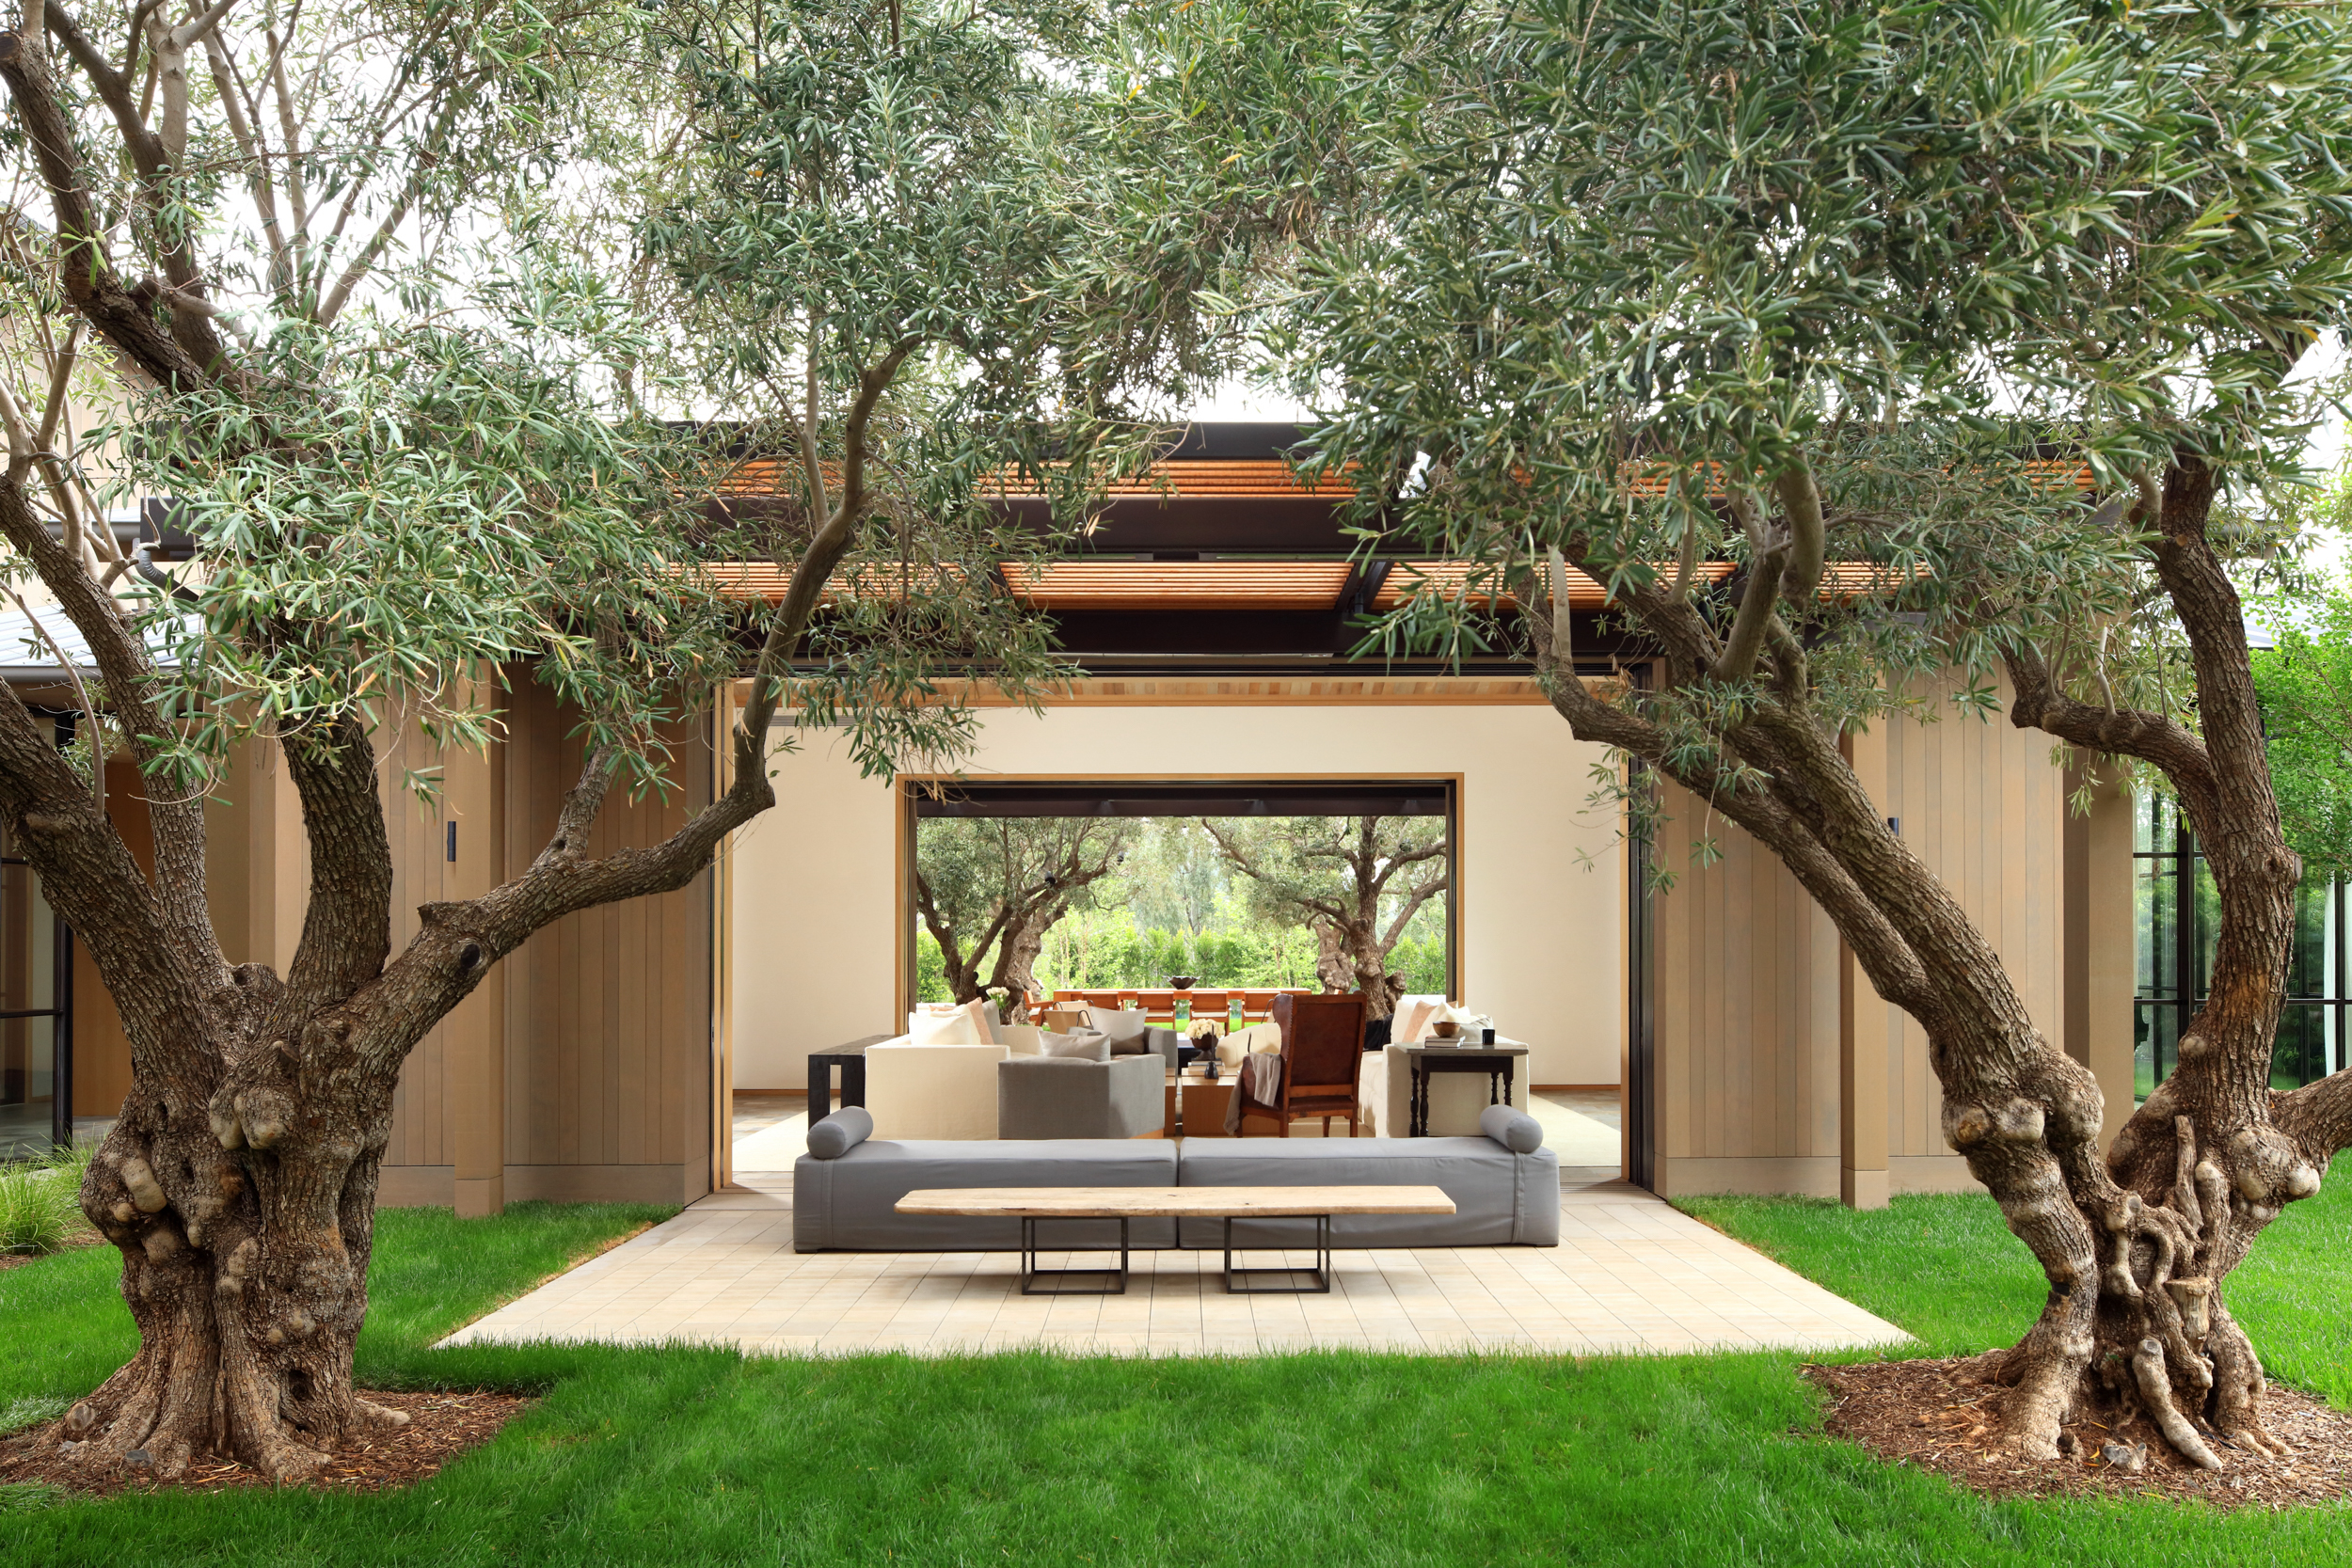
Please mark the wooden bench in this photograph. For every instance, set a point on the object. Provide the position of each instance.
(1032, 1204)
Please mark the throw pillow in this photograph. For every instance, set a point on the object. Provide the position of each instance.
(1257, 1037)
(1119, 1023)
(950, 1028)
(1090, 1046)
(1412, 1018)
(1019, 1039)
(983, 1013)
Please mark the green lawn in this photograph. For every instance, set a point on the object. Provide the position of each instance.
(694, 1456)
(1948, 1270)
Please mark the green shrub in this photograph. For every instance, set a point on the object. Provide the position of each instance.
(39, 1207)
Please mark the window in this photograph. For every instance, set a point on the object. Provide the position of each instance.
(2177, 915)
(36, 1021)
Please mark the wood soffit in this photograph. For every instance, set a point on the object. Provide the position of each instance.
(1273, 691)
(1221, 556)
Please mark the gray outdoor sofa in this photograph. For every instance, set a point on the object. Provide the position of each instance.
(1504, 1186)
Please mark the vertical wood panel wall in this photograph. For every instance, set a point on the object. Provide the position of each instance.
(1982, 803)
(609, 1011)
(580, 1069)
(1748, 969)
(1747, 1018)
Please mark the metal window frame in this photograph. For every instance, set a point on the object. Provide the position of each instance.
(60, 1013)
(2182, 858)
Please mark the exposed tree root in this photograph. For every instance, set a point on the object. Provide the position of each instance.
(433, 1428)
(2156, 1392)
(1948, 1417)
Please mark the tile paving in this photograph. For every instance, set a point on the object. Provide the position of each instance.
(1632, 1275)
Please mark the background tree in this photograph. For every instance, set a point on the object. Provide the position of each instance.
(1357, 882)
(2305, 685)
(1634, 287)
(995, 885)
(416, 443)
(1174, 881)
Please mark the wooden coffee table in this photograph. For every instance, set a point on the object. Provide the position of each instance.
(1123, 1204)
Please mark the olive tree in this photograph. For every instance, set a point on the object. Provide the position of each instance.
(318, 256)
(996, 885)
(1632, 288)
(1355, 882)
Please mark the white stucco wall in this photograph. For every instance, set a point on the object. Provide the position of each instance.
(813, 951)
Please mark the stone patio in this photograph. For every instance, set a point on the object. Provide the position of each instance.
(1631, 1275)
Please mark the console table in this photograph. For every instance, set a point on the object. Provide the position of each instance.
(1032, 1204)
(851, 1059)
(1498, 1062)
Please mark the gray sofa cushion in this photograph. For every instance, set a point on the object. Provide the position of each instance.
(1513, 1129)
(837, 1135)
(1051, 1097)
(1165, 1042)
(846, 1202)
(1498, 1198)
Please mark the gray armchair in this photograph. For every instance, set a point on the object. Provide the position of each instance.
(1065, 1096)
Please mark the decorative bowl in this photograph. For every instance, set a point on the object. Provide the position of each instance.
(1183, 982)
(1447, 1030)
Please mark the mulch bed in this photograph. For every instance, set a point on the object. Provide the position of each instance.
(441, 1425)
(1944, 1416)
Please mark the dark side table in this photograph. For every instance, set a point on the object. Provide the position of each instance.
(1498, 1062)
(851, 1059)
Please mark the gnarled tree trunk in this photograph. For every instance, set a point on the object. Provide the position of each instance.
(239, 1182)
(2214, 1153)
(2135, 1245)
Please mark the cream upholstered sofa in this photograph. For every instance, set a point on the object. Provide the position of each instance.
(938, 1080)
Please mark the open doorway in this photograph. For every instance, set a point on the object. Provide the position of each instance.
(1215, 891)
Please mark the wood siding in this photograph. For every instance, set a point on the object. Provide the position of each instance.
(1748, 1031)
(609, 1010)
(582, 1065)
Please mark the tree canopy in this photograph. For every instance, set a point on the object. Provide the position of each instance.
(1992, 302)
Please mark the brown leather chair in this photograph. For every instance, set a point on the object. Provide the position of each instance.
(1322, 1054)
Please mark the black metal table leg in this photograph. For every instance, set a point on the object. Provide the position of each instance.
(1031, 1273)
(1322, 1270)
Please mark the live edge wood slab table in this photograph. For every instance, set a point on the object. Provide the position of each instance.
(1123, 1204)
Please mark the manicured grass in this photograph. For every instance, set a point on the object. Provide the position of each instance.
(1947, 1269)
(66, 1329)
(682, 1455)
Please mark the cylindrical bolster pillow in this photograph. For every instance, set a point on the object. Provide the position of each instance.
(840, 1133)
(1513, 1129)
